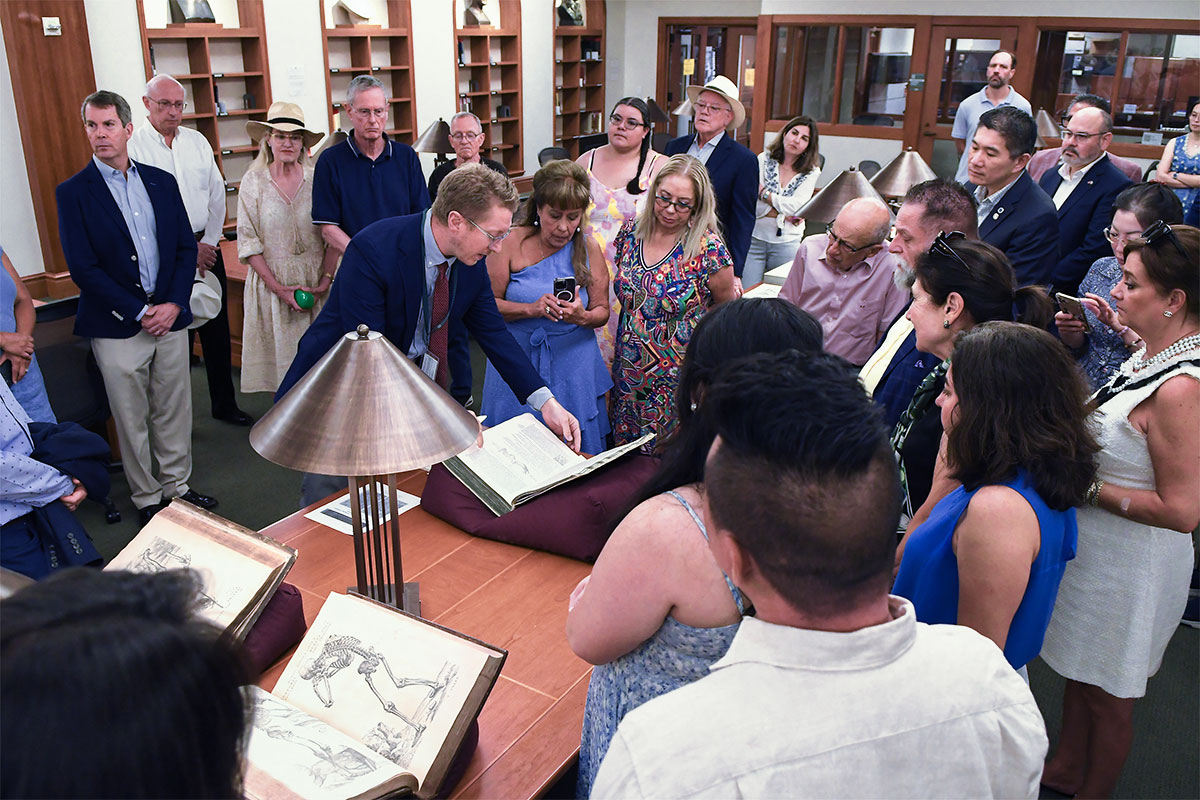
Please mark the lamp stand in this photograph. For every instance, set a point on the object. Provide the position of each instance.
(377, 565)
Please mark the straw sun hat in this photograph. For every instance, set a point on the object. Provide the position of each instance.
(724, 87)
(283, 117)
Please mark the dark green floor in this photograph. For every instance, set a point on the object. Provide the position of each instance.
(1165, 762)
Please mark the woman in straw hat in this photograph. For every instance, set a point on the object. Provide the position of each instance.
(277, 239)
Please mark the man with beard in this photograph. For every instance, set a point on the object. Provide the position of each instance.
(1002, 66)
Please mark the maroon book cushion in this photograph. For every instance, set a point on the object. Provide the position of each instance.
(573, 520)
(280, 626)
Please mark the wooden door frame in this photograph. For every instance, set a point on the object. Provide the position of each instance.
(664, 55)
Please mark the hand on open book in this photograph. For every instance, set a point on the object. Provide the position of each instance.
(562, 422)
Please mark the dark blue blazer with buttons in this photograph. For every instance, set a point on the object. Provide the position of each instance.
(1024, 225)
(1082, 220)
(102, 259)
(381, 283)
(733, 170)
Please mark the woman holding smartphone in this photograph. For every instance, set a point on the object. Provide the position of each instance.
(556, 329)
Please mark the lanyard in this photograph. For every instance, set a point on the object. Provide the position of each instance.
(427, 295)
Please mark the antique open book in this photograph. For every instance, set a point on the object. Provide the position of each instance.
(522, 458)
(374, 702)
(239, 569)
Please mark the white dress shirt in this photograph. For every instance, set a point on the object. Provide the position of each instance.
(1069, 181)
(899, 709)
(190, 159)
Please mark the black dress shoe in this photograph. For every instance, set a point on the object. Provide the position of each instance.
(236, 417)
(144, 514)
(197, 499)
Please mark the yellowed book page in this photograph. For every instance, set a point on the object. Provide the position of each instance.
(520, 455)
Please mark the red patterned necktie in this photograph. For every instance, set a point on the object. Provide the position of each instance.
(439, 336)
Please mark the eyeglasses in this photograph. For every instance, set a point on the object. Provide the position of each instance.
(377, 113)
(497, 238)
(625, 124)
(465, 137)
(941, 246)
(1082, 138)
(1116, 236)
(842, 243)
(163, 105)
(681, 206)
(294, 138)
(708, 108)
(1156, 233)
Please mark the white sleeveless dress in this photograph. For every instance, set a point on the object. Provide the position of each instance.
(1121, 598)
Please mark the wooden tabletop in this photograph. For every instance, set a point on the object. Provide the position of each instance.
(508, 596)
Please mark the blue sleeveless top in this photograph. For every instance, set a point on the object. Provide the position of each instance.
(929, 570)
(30, 391)
(674, 656)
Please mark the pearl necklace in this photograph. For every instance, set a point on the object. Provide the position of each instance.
(1139, 362)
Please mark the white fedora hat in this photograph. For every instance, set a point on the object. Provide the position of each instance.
(724, 87)
(206, 298)
(283, 117)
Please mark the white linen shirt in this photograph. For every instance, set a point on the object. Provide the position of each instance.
(190, 159)
(900, 709)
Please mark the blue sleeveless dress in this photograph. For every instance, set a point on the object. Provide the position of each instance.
(566, 355)
(1188, 165)
(674, 656)
(30, 391)
(929, 570)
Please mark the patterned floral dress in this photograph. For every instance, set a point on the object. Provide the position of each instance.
(660, 306)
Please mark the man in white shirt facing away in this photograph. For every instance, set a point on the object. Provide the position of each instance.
(832, 689)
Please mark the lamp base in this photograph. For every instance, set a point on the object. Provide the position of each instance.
(410, 596)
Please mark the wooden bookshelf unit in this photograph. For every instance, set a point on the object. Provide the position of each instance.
(488, 75)
(579, 78)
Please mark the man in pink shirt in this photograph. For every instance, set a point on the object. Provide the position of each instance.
(843, 277)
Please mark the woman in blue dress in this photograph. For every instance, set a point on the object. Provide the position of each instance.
(1179, 167)
(657, 610)
(993, 551)
(556, 331)
(16, 344)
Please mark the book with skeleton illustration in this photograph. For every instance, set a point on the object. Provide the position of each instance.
(374, 702)
(239, 569)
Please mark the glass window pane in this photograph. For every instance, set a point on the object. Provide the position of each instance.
(875, 75)
(964, 72)
(820, 59)
(786, 81)
(1160, 80)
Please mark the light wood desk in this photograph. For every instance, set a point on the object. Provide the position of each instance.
(508, 596)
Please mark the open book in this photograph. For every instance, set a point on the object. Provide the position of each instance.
(373, 702)
(522, 458)
(239, 569)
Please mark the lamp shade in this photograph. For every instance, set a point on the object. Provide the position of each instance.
(851, 184)
(656, 115)
(435, 139)
(1046, 127)
(363, 409)
(901, 174)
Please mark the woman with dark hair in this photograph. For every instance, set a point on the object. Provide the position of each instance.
(619, 173)
(554, 329)
(1122, 597)
(111, 687)
(787, 175)
(1104, 344)
(657, 610)
(957, 285)
(992, 552)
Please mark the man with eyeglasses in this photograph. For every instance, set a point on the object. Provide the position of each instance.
(732, 168)
(844, 278)
(369, 176)
(1083, 189)
(1045, 160)
(997, 93)
(421, 278)
(185, 153)
(466, 137)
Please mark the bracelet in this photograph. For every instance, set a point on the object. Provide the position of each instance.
(327, 275)
(1093, 492)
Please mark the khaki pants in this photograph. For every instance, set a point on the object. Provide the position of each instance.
(150, 392)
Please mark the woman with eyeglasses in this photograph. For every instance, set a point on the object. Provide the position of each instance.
(671, 267)
(1122, 597)
(1179, 167)
(787, 175)
(619, 173)
(957, 285)
(1101, 343)
(992, 552)
(289, 262)
(554, 326)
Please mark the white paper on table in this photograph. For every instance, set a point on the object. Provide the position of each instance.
(336, 514)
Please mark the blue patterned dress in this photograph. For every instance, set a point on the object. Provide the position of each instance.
(1105, 352)
(674, 656)
(1188, 165)
(660, 306)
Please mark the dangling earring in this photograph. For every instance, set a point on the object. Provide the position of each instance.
(946, 324)
(1168, 314)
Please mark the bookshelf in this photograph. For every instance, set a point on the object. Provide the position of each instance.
(579, 77)
(382, 52)
(217, 65)
(488, 76)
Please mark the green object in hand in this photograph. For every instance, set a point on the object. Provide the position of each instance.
(305, 299)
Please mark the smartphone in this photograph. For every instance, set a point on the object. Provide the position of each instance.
(1074, 307)
(564, 289)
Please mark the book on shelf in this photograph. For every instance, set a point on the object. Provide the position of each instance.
(374, 702)
(520, 459)
(239, 569)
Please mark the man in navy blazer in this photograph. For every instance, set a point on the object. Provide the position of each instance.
(732, 168)
(389, 273)
(1014, 215)
(1083, 189)
(131, 251)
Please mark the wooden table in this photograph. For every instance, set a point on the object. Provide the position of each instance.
(508, 596)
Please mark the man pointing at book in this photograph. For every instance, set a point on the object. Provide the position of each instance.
(416, 277)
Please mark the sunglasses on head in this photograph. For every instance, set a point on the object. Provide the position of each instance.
(941, 246)
(1156, 233)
